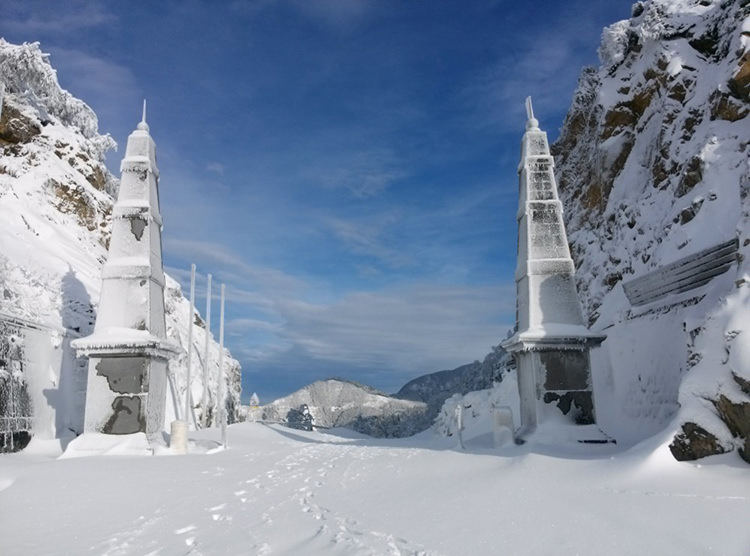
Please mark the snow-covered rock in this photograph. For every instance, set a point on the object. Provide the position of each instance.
(56, 199)
(653, 165)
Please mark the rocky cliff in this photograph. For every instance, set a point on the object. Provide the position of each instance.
(653, 166)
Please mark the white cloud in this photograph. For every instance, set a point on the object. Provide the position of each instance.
(365, 239)
(365, 173)
(534, 67)
(230, 264)
(57, 17)
(420, 328)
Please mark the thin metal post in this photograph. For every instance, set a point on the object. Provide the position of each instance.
(222, 402)
(206, 373)
(190, 342)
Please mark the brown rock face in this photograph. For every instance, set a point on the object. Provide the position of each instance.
(724, 107)
(694, 442)
(739, 84)
(16, 128)
(736, 416)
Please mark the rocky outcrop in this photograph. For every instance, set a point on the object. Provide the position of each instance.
(16, 128)
(694, 442)
(652, 165)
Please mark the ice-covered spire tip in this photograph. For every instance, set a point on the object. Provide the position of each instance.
(531, 121)
(143, 125)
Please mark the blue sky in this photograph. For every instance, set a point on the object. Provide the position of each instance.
(346, 167)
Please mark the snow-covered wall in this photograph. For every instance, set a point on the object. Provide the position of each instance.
(55, 208)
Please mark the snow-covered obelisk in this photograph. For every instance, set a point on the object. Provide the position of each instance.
(551, 343)
(128, 351)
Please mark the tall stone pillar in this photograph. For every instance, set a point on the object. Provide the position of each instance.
(551, 343)
(128, 351)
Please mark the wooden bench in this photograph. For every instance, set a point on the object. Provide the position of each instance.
(682, 275)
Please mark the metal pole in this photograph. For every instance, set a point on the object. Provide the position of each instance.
(222, 403)
(190, 342)
(206, 374)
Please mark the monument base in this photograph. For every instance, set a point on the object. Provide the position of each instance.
(560, 433)
(97, 444)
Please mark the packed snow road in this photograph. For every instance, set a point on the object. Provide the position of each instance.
(279, 491)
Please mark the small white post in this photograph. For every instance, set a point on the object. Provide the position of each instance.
(529, 109)
(190, 341)
(206, 374)
(221, 394)
(178, 437)
(502, 425)
(460, 425)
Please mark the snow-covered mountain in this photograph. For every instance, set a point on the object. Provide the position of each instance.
(653, 165)
(342, 403)
(56, 199)
(414, 408)
(434, 388)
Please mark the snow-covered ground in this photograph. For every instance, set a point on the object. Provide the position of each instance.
(281, 491)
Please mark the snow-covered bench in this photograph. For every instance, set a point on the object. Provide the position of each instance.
(682, 275)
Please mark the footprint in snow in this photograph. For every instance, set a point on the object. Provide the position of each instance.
(184, 530)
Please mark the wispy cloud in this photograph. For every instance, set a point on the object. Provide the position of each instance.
(537, 64)
(364, 173)
(230, 263)
(245, 324)
(365, 239)
(423, 327)
(56, 17)
(99, 77)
